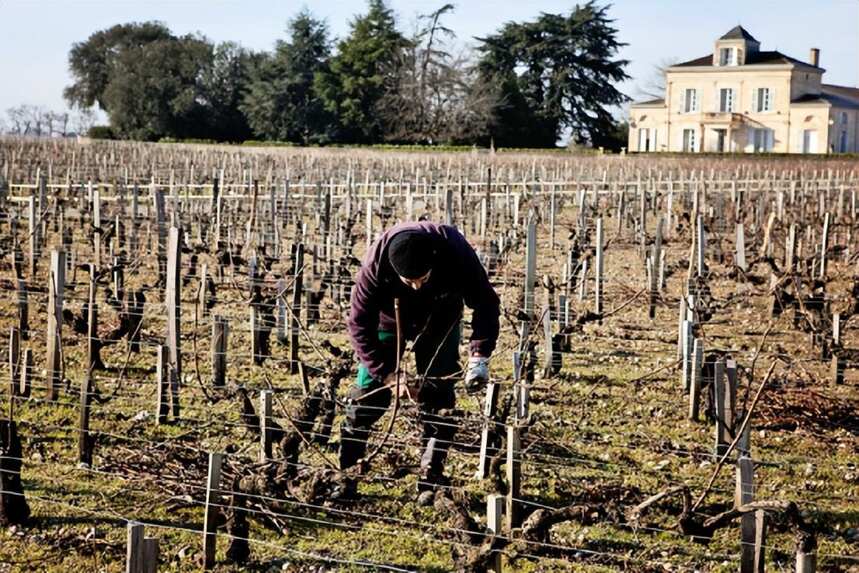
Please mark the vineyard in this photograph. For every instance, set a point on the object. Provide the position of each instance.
(674, 387)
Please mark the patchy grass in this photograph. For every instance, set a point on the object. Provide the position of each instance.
(601, 422)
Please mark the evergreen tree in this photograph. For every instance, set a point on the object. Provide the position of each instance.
(556, 74)
(92, 62)
(153, 84)
(154, 90)
(281, 103)
(362, 72)
(224, 84)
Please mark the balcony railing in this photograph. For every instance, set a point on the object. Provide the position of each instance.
(727, 117)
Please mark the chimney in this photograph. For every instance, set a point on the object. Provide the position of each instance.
(815, 57)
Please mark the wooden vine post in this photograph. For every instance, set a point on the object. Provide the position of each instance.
(173, 302)
(598, 269)
(162, 382)
(687, 345)
(824, 247)
(26, 370)
(33, 237)
(161, 229)
(213, 501)
(23, 308)
(56, 283)
(295, 327)
(85, 439)
(522, 381)
(494, 525)
(489, 431)
(745, 494)
(96, 226)
(740, 260)
(514, 478)
(280, 317)
(265, 425)
(14, 362)
(654, 274)
(141, 551)
(220, 336)
(806, 559)
(523, 373)
(696, 382)
(93, 341)
(700, 247)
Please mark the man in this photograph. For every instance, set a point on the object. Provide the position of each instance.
(431, 270)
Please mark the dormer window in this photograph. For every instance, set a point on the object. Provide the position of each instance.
(732, 48)
(728, 57)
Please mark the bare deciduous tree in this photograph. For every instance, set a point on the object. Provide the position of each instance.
(83, 120)
(437, 96)
(60, 124)
(24, 120)
(36, 121)
(653, 86)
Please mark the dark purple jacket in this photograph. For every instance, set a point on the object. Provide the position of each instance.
(457, 277)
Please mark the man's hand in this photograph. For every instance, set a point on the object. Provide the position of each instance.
(407, 388)
(477, 374)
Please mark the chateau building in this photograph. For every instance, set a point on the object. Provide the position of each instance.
(742, 99)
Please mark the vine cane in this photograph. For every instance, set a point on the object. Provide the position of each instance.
(365, 463)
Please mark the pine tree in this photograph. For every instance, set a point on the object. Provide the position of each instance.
(281, 103)
(223, 86)
(363, 70)
(556, 74)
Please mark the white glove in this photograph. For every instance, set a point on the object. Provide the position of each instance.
(477, 373)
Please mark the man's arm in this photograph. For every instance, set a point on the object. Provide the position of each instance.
(481, 297)
(363, 323)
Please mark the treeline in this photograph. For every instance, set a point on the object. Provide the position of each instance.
(526, 85)
(38, 121)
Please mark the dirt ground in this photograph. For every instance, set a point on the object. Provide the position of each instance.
(611, 428)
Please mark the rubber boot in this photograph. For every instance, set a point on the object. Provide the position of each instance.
(353, 446)
(432, 476)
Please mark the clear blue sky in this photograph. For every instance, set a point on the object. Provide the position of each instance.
(35, 35)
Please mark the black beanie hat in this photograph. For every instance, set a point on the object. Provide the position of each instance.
(411, 253)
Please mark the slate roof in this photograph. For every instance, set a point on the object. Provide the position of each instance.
(834, 100)
(738, 33)
(841, 91)
(702, 61)
(752, 59)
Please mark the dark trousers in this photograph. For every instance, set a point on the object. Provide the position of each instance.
(437, 359)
